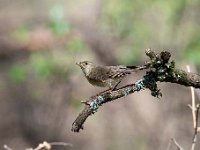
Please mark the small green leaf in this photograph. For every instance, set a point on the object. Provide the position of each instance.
(17, 74)
(57, 22)
(42, 65)
(21, 34)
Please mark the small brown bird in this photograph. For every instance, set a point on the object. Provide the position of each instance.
(106, 76)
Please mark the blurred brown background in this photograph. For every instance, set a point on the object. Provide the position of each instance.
(41, 87)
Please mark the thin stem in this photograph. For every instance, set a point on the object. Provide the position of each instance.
(60, 144)
(196, 128)
(193, 101)
(177, 145)
(7, 148)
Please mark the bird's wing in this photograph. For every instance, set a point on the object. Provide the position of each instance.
(102, 73)
(99, 73)
(119, 71)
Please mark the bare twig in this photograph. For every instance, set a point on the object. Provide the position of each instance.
(196, 128)
(7, 148)
(60, 144)
(169, 145)
(193, 101)
(173, 140)
(190, 106)
(195, 114)
(44, 146)
(177, 145)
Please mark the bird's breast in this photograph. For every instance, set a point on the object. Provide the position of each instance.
(106, 83)
(97, 83)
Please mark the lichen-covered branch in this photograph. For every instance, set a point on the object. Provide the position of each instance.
(158, 69)
(183, 78)
(93, 104)
(165, 71)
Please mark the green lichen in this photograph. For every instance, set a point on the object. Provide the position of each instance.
(178, 74)
(161, 77)
(127, 91)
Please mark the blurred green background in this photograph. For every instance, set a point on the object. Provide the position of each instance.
(41, 87)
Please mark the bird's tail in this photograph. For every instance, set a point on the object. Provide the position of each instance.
(120, 71)
(137, 67)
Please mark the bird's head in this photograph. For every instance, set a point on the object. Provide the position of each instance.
(86, 66)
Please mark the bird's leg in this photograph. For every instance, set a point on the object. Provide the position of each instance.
(108, 90)
(113, 88)
(104, 91)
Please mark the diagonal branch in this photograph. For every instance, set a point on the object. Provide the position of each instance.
(93, 104)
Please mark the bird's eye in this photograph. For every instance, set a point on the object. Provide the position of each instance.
(86, 63)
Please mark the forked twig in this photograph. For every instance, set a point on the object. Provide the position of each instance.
(193, 101)
(175, 143)
(195, 114)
